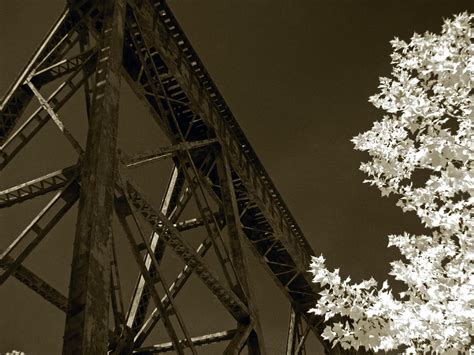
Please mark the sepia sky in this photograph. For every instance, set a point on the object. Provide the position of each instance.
(297, 75)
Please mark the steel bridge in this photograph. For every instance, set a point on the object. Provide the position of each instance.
(92, 46)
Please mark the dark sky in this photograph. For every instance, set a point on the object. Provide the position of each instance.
(297, 76)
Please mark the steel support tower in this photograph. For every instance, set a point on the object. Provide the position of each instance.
(93, 46)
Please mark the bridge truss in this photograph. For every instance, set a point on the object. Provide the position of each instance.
(93, 46)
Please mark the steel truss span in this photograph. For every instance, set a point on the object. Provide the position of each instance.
(215, 177)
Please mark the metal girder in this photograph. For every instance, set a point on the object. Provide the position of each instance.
(140, 299)
(160, 224)
(301, 349)
(174, 289)
(38, 285)
(116, 291)
(35, 283)
(148, 157)
(57, 42)
(84, 46)
(175, 203)
(59, 178)
(39, 227)
(62, 67)
(40, 117)
(53, 115)
(197, 341)
(196, 222)
(37, 187)
(86, 330)
(213, 230)
(176, 286)
(145, 274)
(154, 91)
(292, 336)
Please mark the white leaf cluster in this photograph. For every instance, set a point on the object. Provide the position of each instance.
(422, 152)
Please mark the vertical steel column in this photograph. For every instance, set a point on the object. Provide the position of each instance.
(86, 330)
(84, 44)
(255, 341)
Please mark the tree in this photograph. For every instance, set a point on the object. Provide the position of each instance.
(428, 131)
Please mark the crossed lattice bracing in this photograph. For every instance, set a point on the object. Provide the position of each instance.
(92, 47)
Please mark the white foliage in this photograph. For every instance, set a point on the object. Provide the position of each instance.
(429, 129)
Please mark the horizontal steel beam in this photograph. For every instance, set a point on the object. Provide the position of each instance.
(196, 222)
(197, 341)
(37, 187)
(62, 67)
(140, 159)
